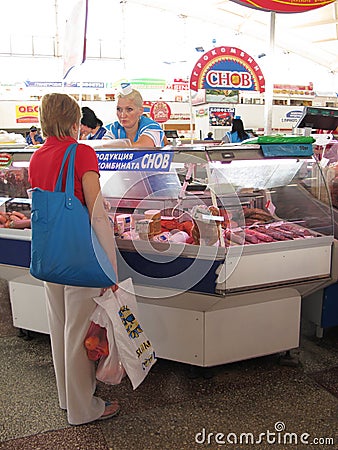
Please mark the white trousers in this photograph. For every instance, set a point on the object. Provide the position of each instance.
(69, 309)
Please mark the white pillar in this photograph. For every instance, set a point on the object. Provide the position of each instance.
(269, 77)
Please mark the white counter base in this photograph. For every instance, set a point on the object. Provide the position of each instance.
(191, 328)
(27, 296)
(208, 331)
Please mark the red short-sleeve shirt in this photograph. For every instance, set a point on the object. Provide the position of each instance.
(45, 164)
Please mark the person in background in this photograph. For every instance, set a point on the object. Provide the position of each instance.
(209, 137)
(132, 123)
(91, 126)
(237, 133)
(69, 308)
(33, 137)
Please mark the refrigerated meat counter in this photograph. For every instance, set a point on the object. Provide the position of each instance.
(219, 262)
(321, 307)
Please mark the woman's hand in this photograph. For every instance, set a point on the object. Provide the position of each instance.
(32, 136)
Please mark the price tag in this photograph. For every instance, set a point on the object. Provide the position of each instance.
(270, 207)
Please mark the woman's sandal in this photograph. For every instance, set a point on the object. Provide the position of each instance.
(114, 411)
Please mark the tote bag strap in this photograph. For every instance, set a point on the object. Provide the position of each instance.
(69, 188)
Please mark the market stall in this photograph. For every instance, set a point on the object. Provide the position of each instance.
(321, 307)
(215, 255)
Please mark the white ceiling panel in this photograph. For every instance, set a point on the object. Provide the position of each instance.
(311, 34)
(158, 38)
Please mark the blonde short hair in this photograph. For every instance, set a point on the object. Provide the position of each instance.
(134, 96)
(58, 113)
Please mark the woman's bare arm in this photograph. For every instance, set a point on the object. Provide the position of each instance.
(98, 215)
(143, 141)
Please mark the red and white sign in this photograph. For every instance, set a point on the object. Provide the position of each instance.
(284, 6)
(27, 113)
(5, 159)
(178, 84)
(227, 68)
(160, 112)
(147, 106)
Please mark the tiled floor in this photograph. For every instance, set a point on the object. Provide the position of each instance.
(174, 408)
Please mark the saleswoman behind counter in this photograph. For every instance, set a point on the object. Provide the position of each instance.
(133, 124)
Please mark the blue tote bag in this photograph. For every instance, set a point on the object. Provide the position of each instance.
(65, 249)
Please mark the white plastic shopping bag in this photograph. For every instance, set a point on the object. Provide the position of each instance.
(109, 369)
(134, 348)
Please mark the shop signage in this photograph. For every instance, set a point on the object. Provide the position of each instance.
(178, 84)
(148, 83)
(135, 161)
(287, 150)
(180, 116)
(201, 112)
(293, 89)
(198, 97)
(60, 84)
(5, 160)
(284, 6)
(140, 83)
(147, 106)
(27, 113)
(160, 111)
(220, 117)
(227, 68)
(221, 96)
(292, 116)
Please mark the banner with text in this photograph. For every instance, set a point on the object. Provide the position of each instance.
(227, 68)
(139, 161)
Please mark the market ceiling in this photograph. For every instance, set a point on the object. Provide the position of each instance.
(284, 6)
(312, 34)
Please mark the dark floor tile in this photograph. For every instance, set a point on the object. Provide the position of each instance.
(328, 379)
(28, 396)
(169, 383)
(175, 402)
(249, 410)
(6, 321)
(329, 339)
(85, 437)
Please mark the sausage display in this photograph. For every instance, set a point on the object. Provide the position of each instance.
(237, 238)
(14, 219)
(295, 229)
(275, 234)
(251, 237)
(260, 227)
(257, 214)
(261, 236)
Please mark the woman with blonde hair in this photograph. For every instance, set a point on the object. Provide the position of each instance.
(132, 123)
(69, 307)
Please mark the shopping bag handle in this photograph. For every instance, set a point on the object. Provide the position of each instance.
(69, 188)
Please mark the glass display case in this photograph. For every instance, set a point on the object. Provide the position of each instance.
(327, 155)
(321, 306)
(221, 243)
(258, 222)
